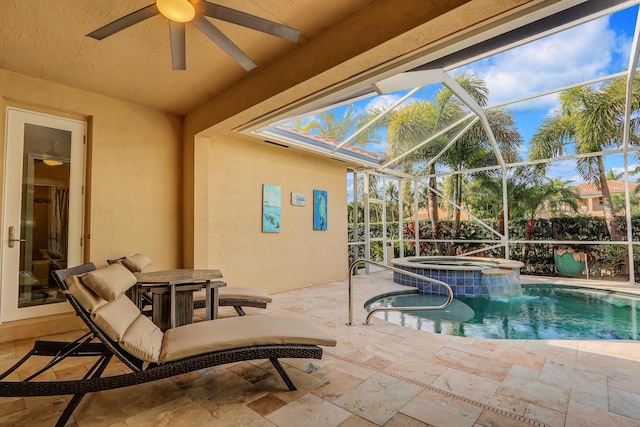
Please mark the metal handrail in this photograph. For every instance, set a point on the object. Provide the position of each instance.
(395, 270)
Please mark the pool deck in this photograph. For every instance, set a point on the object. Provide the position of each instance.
(379, 375)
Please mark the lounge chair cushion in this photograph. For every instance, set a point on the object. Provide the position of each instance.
(143, 339)
(85, 296)
(115, 317)
(235, 332)
(122, 321)
(232, 292)
(109, 282)
(137, 262)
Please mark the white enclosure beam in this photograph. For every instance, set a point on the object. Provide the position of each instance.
(473, 105)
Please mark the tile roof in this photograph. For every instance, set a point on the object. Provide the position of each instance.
(615, 186)
(361, 151)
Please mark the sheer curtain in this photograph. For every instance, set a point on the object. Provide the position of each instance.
(58, 222)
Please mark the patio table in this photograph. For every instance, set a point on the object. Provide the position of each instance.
(172, 294)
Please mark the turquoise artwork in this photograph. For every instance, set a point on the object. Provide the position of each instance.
(320, 212)
(270, 208)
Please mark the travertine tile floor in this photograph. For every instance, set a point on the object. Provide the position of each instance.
(379, 375)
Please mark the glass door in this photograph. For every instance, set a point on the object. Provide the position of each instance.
(42, 211)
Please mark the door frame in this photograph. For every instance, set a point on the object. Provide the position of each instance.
(9, 261)
(386, 242)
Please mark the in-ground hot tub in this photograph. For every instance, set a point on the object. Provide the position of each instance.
(467, 276)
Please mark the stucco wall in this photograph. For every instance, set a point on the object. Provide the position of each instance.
(295, 257)
(135, 183)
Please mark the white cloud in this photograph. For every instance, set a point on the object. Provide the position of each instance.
(620, 170)
(523, 151)
(575, 55)
(549, 102)
(575, 180)
(303, 121)
(381, 102)
(565, 169)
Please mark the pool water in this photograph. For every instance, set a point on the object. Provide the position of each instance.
(540, 313)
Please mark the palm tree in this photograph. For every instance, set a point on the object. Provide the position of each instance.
(413, 123)
(612, 176)
(407, 127)
(529, 196)
(634, 202)
(473, 149)
(618, 200)
(553, 196)
(328, 126)
(452, 186)
(350, 218)
(391, 199)
(591, 120)
(408, 203)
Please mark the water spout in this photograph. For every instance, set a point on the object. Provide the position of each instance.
(502, 283)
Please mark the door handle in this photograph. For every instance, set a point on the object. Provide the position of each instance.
(12, 237)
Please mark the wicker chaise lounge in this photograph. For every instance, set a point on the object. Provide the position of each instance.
(230, 296)
(118, 328)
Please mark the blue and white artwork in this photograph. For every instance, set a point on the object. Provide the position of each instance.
(320, 211)
(271, 206)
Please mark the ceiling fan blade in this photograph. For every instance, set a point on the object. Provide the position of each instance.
(250, 21)
(223, 41)
(125, 22)
(178, 45)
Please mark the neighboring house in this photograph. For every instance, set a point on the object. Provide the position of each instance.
(591, 196)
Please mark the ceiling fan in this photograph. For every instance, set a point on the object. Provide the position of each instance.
(181, 12)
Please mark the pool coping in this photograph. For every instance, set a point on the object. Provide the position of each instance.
(499, 263)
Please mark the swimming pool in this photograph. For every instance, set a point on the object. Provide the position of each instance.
(548, 312)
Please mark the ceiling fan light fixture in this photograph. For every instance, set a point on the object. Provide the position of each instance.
(52, 162)
(180, 12)
(177, 10)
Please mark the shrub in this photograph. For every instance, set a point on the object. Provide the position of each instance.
(604, 259)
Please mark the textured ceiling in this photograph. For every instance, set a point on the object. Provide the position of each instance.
(46, 39)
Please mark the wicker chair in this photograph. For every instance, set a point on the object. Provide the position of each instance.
(252, 337)
(229, 296)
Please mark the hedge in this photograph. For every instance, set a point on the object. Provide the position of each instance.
(604, 259)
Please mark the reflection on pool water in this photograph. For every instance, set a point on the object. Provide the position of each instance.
(540, 313)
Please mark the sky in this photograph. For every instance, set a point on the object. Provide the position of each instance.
(592, 50)
(582, 53)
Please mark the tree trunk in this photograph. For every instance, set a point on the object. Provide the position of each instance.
(457, 198)
(610, 217)
(433, 209)
(528, 235)
(407, 193)
(457, 193)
